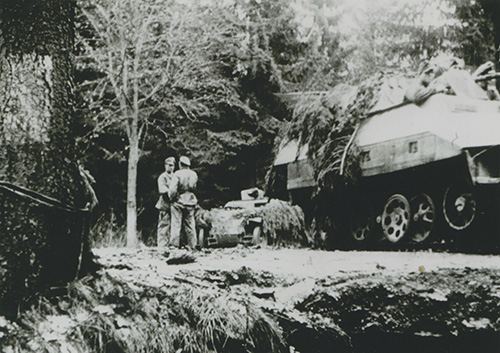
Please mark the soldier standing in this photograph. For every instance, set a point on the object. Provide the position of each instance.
(184, 202)
(163, 204)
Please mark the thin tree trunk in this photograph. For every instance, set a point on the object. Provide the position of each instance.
(133, 160)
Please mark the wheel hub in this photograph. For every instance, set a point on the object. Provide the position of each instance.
(361, 227)
(395, 218)
(460, 203)
(362, 221)
(423, 210)
(459, 207)
(360, 234)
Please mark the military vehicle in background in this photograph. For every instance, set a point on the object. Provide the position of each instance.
(427, 171)
(235, 223)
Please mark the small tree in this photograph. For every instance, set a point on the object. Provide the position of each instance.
(144, 53)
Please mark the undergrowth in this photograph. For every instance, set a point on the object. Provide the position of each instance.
(104, 315)
(108, 232)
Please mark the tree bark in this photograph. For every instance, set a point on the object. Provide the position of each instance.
(40, 245)
(133, 160)
(496, 26)
(492, 8)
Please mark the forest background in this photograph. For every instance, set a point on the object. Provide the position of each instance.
(212, 80)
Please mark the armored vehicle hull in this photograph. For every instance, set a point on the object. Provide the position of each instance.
(429, 170)
(429, 173)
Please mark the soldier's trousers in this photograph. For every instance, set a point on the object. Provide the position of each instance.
(163, 232)
(182, 217)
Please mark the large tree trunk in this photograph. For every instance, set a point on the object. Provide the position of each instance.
(496, 26)
(40, 245)
(492, 8)
(133, 160)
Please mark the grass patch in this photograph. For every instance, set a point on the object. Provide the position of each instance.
(104, 315)
(108, 232)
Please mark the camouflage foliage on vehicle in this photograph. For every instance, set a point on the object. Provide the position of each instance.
(282, 223)
(326, 122)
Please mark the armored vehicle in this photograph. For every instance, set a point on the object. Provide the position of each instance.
(235, 223)
(427, 171)
(428, 165)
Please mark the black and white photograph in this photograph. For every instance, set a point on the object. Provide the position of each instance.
(249, 176)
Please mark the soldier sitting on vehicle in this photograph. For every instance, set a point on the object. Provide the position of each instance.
(425, 85)
(484, 75)
(447, 75)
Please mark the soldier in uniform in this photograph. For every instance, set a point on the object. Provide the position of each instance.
(184, 202)
(425, 85)
(484, 76)
(163, 204)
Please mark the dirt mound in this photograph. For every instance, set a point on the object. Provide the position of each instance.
(453, 310)
(428, 304)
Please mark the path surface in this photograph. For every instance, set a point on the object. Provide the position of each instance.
(299, 263)
(356, 302)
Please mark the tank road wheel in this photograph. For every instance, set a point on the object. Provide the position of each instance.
(257, 235)
(459, 207)
(360, 229)
(395, 218)
(361, 223)
(423, 215)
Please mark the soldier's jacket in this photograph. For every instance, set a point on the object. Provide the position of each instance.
(458, 82)
(183, 186)
(164, 180)
(418, 93)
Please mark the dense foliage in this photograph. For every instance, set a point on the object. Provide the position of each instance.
(223, 105)
(387, 48)
(218, 106)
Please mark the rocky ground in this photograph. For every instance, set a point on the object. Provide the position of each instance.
(312, 301)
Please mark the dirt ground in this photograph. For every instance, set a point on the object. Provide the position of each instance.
(355, 301)
(269, 300)
(293, 263)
